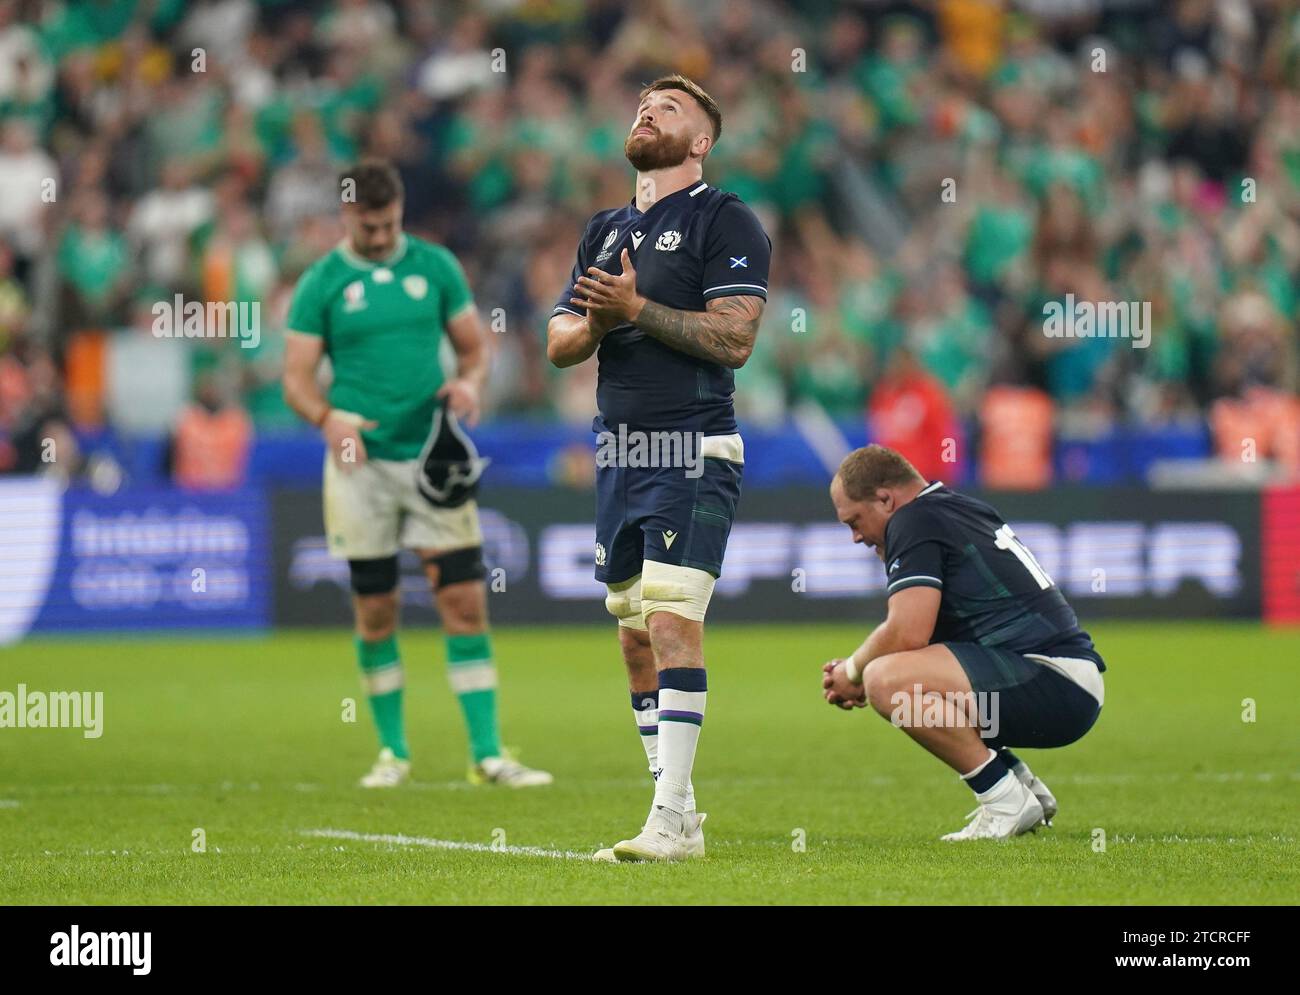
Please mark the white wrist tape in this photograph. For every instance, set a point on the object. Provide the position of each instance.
(351, 417)
(851, 669)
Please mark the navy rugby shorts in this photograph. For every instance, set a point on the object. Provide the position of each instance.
(1039, 704)
(662, 514)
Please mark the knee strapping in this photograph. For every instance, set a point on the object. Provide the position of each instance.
(684, 591)
(377, 576)
(623, 601)
(459, 565)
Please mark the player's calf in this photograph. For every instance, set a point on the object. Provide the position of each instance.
(624, 603)
(673, 601)
(926, 694)
(457, 579)
(382, 676)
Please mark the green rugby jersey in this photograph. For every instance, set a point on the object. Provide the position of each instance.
(382, 323)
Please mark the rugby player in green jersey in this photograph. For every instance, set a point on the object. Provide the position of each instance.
(378, 306)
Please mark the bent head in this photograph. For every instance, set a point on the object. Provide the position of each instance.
(676, 120)
(372, 195)
(871, 484)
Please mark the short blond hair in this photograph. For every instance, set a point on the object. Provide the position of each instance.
(865, 470)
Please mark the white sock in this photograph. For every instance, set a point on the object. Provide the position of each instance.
(647, 726)
(647, 719)
(1007, 785)
(681, 714)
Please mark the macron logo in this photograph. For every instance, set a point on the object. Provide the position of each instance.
(77, 949)
(669, 539)
(637, 238)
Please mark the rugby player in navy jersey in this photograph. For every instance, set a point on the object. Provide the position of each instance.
(667, 292)
(970, 610)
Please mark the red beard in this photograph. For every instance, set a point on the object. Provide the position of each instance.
(658, 152)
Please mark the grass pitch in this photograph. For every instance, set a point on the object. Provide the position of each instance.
(244, 740)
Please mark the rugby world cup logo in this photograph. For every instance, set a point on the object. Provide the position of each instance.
(354, 296)
(607, 246)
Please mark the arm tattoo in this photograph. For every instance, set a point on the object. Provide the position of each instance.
(724, 334)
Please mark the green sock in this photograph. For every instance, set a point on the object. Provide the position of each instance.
(381, 676)
(473, 677)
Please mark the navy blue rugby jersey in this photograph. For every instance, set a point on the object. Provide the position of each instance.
(691, 247)
(994, 591)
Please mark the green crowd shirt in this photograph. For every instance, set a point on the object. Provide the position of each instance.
(382, 323)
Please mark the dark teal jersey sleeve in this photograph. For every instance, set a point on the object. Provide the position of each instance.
(914, 551)
(737, 254)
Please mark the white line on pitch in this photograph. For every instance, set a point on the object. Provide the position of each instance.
(435, 844)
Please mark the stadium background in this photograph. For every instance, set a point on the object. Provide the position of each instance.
(157, 499)
(931, 174)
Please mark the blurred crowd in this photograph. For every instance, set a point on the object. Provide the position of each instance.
(932, 175)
